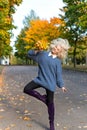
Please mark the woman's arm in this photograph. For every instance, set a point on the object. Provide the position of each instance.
(60, 82)
(33, 54)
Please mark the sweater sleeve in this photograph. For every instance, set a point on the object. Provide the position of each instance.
(33, 55)
(60, 82)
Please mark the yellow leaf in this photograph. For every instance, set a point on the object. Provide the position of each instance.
(26, 118)
(29, 125)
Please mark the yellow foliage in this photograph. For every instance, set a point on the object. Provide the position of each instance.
(55, 21)
(41, 45)
(41, 32)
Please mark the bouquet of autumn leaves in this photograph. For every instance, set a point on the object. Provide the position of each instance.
(41, 45)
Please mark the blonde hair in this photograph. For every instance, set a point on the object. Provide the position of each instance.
(63, 43)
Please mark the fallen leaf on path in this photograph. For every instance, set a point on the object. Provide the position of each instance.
(65, 128)
(12, 125)
(26, 111)
(8, 128)
(17, 111)
(20, 117)
(21, 98)
(79, 127)
(57, 124)
(29, 125)
(1, 117)
(85, 126)
(26, 118)
(1, 110)
(0, 90)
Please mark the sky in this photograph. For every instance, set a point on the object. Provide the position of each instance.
(45, 9)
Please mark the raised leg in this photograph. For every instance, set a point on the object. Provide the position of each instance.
(36, 95)
(30, 90)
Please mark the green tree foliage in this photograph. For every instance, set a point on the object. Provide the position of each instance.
(6, 24)
(20, 44)
(28, 18)
(75, 26)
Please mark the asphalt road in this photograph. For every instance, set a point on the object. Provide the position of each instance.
(19, 111)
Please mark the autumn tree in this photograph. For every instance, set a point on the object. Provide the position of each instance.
(4, 27)
(75, 25)
(6, 24)
(42, 30)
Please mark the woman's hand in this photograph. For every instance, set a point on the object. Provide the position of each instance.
(36, 51)
(64, 89)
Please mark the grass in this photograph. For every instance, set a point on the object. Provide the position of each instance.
(78, 67)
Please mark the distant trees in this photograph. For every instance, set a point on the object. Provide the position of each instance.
(75, 27)
(34, 30)
(72, 25)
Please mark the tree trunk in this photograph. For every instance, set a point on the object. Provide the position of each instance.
(74, 55)
(86, 58)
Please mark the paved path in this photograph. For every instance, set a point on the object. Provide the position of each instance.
(19, 111)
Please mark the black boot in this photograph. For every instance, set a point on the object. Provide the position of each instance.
(51, 115)
(36, 95)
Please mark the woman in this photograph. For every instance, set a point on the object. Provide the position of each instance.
(49, 74)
